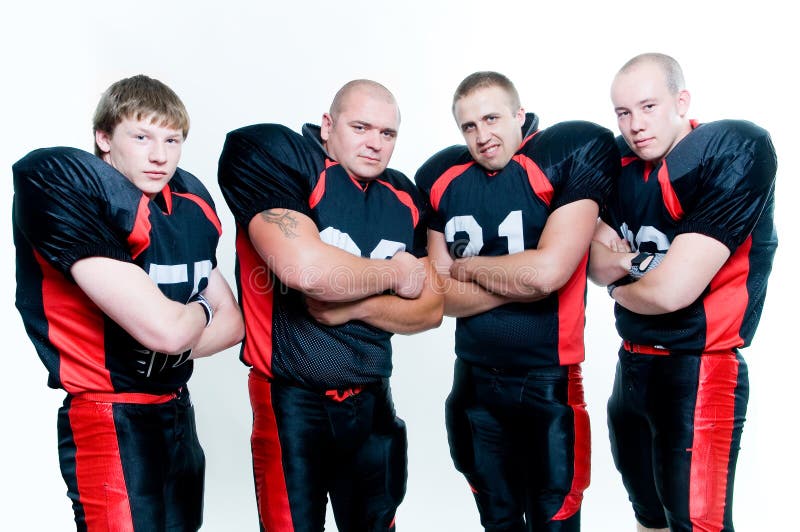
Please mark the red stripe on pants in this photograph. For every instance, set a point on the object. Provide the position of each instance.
(582, 448)
(98, 467)
(713, 432)
(271, 495)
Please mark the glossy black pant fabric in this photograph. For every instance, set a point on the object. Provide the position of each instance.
(522, 441)
(132, 467)
(307, 445)
(675, 423)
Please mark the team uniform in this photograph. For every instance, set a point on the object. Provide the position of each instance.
(128, 447)
(516, 417)
(678, 405)
(324, 421)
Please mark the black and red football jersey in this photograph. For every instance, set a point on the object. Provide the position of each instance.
(717, 181)
(69, 205)
(268, 166)
(498, 213)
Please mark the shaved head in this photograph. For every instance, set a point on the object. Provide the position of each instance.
(367, 87)
(673, 74)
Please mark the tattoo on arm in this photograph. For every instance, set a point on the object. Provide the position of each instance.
(283, 219)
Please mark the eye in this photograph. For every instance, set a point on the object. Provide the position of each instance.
(491, 119)
(622, 114)
(140, 137)
(359, 128)
(649, 107)
(466, 128)
(389, 134)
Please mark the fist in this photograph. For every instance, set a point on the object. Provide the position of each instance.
(411, 275)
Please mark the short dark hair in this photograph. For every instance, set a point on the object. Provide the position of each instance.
(484, 79)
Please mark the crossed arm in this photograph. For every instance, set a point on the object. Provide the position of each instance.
(290, 245)
(476, 284)
(127, 295)
(688, 267)
(340, 286)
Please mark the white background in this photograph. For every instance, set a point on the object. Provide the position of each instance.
(235, 63)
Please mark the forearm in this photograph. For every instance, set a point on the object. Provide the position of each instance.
(329, 274)
(402, 316)
(607, 266)
(521, 276)
(406, 316)
(464, 299)
(125, 293)
(226, 329)
(687, 269)
(290, 245)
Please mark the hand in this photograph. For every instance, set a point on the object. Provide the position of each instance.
(412, 275)
(331, 313)
(619, 245)
(459, 270)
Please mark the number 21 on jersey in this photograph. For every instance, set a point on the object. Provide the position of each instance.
(510, 228)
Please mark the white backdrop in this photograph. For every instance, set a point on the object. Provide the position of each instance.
(235, 63)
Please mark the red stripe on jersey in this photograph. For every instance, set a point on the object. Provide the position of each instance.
(582, 450)
(271, 494)
(648, 168)
(166, 192)
(713, 432)
(539, 183)
(628, 160)
(256, 284)
(526, 139)
(75, 328)
(671, 201)
(319, 189)
(571, 316)
(444, 180)
(139, 237)
(205, 207)
(405, 199)
(98, 467)
(726, 302)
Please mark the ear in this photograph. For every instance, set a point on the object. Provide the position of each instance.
(684, 99)
(521, 116)
(325, 126)
(103, 141)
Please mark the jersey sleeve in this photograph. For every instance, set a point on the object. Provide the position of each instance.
(737, 179)
(437, 168)
(265, 166)
(69, 204)
(583, 160)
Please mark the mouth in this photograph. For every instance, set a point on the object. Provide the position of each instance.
(643, 143)
(370, 160)
(489, 151)
(155, 174)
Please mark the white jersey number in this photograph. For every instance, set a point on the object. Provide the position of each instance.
(510, 228)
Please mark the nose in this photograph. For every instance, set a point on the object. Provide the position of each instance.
(637, 122)
(482, 135)
(158, 153)
(374, 139)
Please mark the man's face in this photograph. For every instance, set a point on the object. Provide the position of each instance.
(363, 135)
(144, 152)
(651, 119)
(492, 128)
